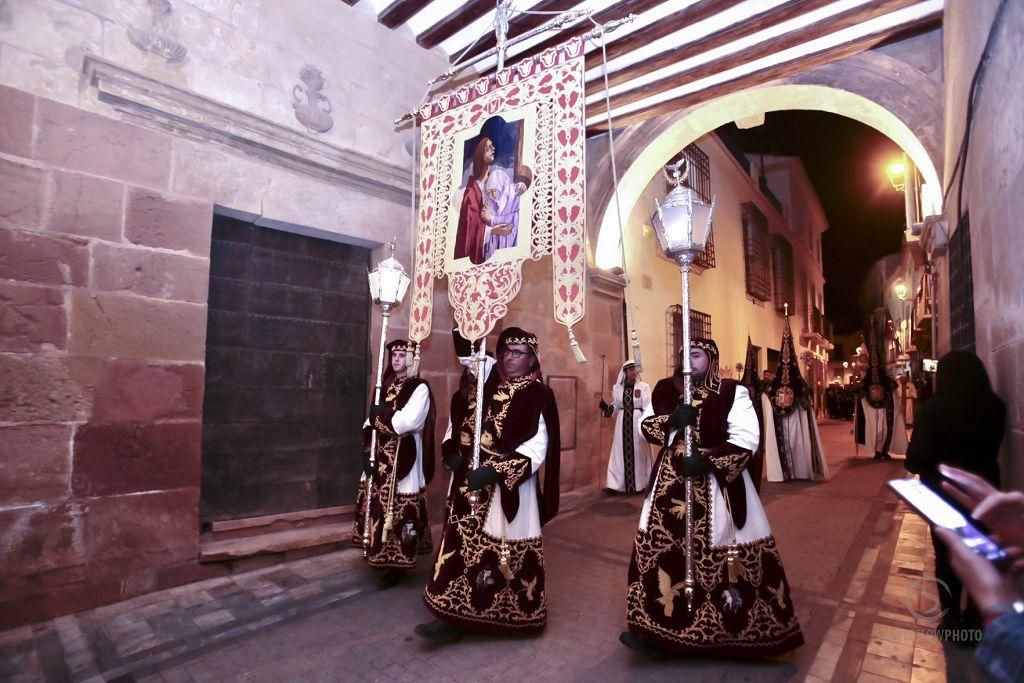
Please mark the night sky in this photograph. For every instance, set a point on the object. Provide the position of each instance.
(846, 161)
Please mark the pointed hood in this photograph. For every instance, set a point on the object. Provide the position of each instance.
(749, 379)
(787, 388)
(876, 385)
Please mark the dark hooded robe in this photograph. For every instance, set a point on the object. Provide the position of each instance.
(792, 446)
(742, 608)
(752, 384)
(404, 468)
(470, 585)
(877, 423)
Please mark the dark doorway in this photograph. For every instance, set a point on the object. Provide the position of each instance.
(286, 372)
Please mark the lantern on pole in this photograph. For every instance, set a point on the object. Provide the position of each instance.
(682, 223)
(388, 283)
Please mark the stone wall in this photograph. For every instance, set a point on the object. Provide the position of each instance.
(103, 272)
(994, 195)
(113, 160)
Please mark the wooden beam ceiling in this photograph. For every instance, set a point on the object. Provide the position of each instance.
(786, 41)
(772, 73)
(454, 22)
(520, 24)
(399, 12)
(737, 31)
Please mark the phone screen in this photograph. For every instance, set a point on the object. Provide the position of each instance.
(940, 513)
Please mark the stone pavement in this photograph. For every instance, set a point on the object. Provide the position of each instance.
(856, 559)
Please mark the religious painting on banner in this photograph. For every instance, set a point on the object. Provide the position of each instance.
(502, 181)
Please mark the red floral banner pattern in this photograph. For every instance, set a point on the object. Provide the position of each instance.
(550, 88)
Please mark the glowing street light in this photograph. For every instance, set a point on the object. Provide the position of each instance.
(900, 289)
(897, 172)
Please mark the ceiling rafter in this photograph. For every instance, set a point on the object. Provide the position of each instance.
(454, 22)
(786, 41)
(616, 11)
(763, 76)
(743, 29)
(677, 21)
(521, 23)
(399, 12)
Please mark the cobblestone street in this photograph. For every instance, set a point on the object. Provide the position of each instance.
(851, 552)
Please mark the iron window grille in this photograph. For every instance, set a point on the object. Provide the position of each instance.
(700, 326)
(756, 253)
(961, 288)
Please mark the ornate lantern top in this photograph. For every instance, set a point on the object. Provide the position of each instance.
(388, 281)
(682, 221)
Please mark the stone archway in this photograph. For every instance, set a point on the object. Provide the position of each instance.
(878, 90)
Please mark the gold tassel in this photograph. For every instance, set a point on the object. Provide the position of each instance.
(732, 564)
(503, 558)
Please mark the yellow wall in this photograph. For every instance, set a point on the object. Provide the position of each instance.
(719, 291)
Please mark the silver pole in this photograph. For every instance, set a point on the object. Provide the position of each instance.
(385, 314)
(688, 588)
(478, 418)
(501, 31)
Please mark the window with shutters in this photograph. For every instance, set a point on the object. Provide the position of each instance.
(782, 268)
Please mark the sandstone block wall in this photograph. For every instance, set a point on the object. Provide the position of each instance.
(103, 285)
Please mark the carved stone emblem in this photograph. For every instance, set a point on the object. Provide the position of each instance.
(312, 108)
(159, 37)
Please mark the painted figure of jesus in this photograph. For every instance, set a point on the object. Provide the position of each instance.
(489, 215)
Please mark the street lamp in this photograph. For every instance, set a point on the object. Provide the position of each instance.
(903, 293)
(388, 283)
(682, 223)
(897, 172)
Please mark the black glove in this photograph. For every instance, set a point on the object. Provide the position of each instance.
(684, 415)
(367, 467)
(375, 410)
(692, 466)
(481, 477)
(606, 410)
(452, 461)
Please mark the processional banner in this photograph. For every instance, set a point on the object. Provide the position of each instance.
(502, 181)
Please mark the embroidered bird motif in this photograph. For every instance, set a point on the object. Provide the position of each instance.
(530, 585)
(679, 509)
(779, 594)
(669, 591)
(442, 557)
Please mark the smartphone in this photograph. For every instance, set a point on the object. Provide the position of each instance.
(929, 365)
(940, 512)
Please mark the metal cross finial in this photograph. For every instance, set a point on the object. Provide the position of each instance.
(391, 244)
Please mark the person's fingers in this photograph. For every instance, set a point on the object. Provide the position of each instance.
(959, 495)
(970, 482)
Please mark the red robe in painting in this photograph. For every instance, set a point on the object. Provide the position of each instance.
(469, 240)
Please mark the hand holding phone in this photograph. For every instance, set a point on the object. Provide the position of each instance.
(940, 513)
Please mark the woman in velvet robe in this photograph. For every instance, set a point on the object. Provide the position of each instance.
(740, 607)
(488, 575)
(404, 421)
